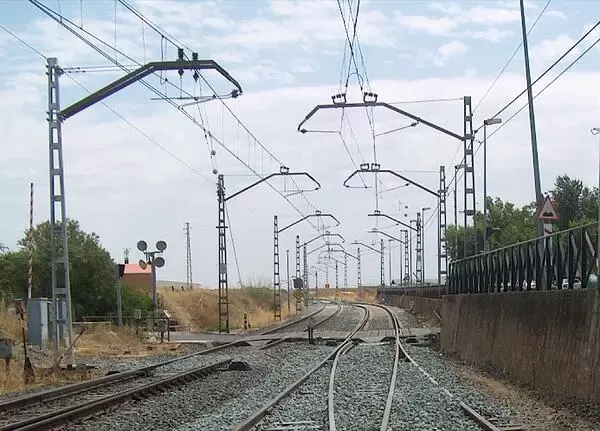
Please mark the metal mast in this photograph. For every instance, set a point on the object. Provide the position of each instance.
(62, 319)
(298, 256)
(358, 277)
(188, 255)
(276, 277)
(345, 271)
(407, 255)
(305, 275)
(382, 265)
(419, 263)
(223, 285)
(469, 177)
(534, 149)
(442, 251)
(30, 244)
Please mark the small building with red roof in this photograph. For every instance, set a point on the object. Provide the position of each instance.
(137, 278)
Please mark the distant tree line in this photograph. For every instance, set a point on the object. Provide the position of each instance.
(92, 273)
(576, 203)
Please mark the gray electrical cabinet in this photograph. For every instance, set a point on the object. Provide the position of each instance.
(37, 320)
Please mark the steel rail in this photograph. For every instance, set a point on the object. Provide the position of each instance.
(259, 414)
(292, 322)
(388, 406)
(74, 388)
(277, 341)
(83, 410)
(481, 421)
(331, 391)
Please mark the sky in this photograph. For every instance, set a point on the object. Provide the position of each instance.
(138, 168)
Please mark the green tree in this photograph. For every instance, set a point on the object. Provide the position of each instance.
(131, 299)
(507, 223)
(92, 272)
(13, 275)
(575, 202)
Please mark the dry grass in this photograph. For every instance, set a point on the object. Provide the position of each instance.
(363, 294)
(198, 308)
(102, 340)
(96, 341)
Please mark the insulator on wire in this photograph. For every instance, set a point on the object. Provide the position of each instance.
(195, 56)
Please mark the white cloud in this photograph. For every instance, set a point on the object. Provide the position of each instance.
(449, 50)
(425, 24)
(556, 14)
(110, 166)
(548, 51)
(492, 34)
(125, 188)
(503, 14)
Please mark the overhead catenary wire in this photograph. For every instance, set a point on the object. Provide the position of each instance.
(487, 92)
(61, 20)
(460, 175)
(125, 120)
(567, 52)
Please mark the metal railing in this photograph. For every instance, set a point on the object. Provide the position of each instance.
(564, 260)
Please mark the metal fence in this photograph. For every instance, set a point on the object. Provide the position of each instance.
(564, 260)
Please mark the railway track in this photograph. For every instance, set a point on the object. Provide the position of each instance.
(255, 418)
(42, 409)
(355, 390)
(56, 410)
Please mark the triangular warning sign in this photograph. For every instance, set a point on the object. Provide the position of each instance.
(547, 211)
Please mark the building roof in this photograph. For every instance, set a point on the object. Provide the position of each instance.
(134, 268)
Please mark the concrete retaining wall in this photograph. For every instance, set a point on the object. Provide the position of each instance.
(549, 339)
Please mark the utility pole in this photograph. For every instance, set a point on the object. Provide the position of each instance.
(125, 255)
(61, 312)
(456, 169)
(390, 258)
(189, 281)
(534, 150)
(411, 251)
(423, 243)
(287, 276)
(486, 238)
(30, 245)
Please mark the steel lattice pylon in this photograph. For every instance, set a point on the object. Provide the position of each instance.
(358, 272)
(276, 277)
(469, 177)
(382, 265)
(188, 246)
(407, 255)
(305, 275)
(442, 251)
(419, 263)
(62, 318)
(345, 271)
(223, 285)
(297, 256)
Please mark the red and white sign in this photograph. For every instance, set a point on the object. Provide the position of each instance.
(547, 211)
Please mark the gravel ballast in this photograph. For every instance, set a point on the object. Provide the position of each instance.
(345, 320)
(306, 404)
(219, 401)
(362, 382)
(379, 320)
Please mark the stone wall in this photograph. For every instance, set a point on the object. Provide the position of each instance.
(548, 340)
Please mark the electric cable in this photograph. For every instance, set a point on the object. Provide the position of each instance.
(534, 97)
(61, 20)
(511, 58)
